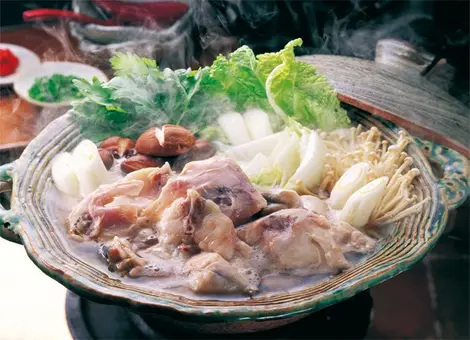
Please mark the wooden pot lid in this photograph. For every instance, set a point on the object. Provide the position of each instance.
(398, 93)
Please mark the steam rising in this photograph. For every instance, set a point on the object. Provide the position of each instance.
(349, 28)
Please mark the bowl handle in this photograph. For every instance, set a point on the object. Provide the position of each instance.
(451, 171)
(8, 220)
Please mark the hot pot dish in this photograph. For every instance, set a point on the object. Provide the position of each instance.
(241, 191)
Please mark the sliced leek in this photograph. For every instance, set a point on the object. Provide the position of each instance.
(63, 174)
(311, 164)
(359, 206)
(89, 167)
(246, 152)
(257, 123)
(286, 157)
(234, 127)
(353, 179)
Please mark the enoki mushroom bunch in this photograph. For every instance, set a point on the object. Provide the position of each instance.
(347, 147)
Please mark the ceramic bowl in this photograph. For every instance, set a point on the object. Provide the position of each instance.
(29, 223)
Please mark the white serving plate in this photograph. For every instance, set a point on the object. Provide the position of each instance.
(26, 81)
(27, 59)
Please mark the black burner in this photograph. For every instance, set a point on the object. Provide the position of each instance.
(88, 320)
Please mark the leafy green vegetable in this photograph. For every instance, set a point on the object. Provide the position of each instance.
(277, 167)
(266, 63)
(130, 64)
(54, 89)
(239, 80)
(96, 93)
(295, 89)
(286, 157)
(141, 95)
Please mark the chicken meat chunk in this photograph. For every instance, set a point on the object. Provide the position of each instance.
(120, 257)
(193, 223)
(112, 209)
(300, 239)
(123, 258)
(220, 180)
(210, 273)
(314, 204)
(279, 199)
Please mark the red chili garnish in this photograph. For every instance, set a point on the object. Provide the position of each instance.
(8, 62)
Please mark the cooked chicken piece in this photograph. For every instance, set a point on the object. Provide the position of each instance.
(93, 214)
(283, 196)
(220, 180)
(115, 207)
(154, 179)
(350, 239)
(279, 199)
(120, 257)
(195, 221)
(271, 208)
(144, 238)
(314, 204)
(299, 239)
(211, 273)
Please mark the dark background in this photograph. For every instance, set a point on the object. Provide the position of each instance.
(347, 27)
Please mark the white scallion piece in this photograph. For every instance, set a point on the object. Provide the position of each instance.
(257, 123)
(233, 125)
(286, 157)
(311, 163)
(353, 179)
(246, 152)
(89, 167)
(359, 206)
(63, 174)
(255, 166)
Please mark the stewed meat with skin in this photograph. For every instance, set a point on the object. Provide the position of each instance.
(115, 207)
(121, 257)
(349, 239)
(206, 272)
(299, 239)
(93, 214)
(279, 199)
(187, 229)
(194, 223)
(220, 180)
(289, 198)
(211, 273)
(314, 204)
(154, 179)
